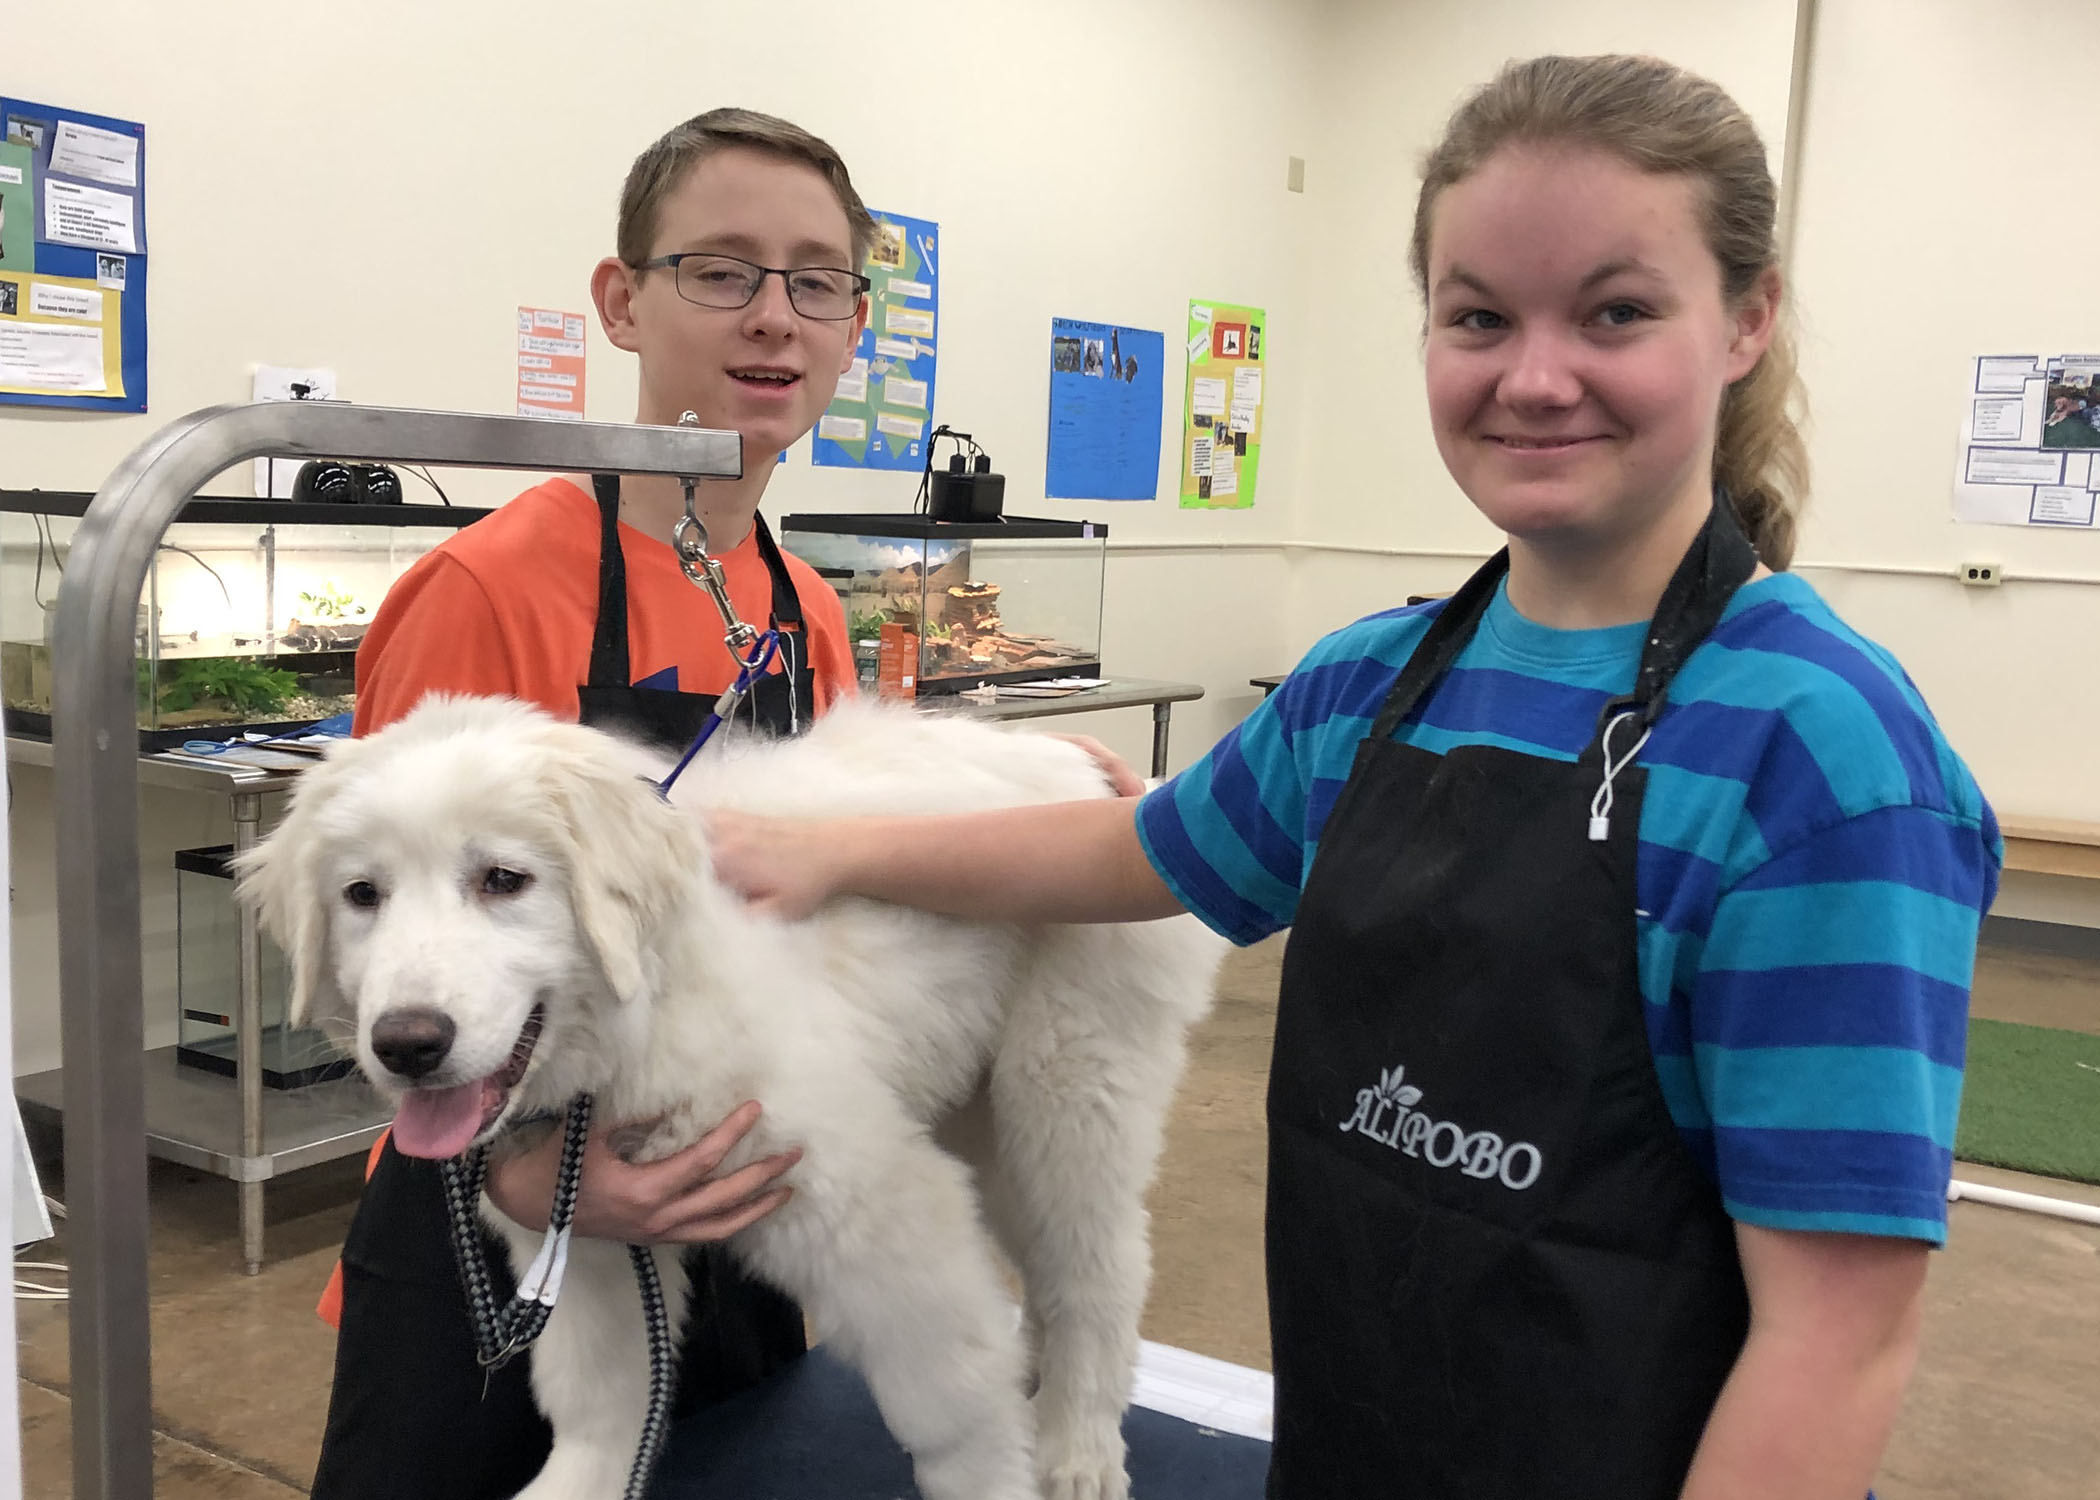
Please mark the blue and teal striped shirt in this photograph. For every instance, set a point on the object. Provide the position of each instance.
(1813, 866)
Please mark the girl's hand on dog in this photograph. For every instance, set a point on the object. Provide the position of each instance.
(787, 867)
(1119, 773)
(676, 1201)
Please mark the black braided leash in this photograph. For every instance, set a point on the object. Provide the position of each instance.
(502, 1331)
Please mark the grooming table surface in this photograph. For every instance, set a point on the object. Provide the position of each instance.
(813, 1433)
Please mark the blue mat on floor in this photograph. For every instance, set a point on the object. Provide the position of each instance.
(813, 1433)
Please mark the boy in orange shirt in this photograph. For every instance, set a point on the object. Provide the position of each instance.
(736, 285)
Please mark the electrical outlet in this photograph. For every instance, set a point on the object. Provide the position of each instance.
(1982, 575)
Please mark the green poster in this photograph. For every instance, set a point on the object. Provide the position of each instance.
(1221, 420)
(17, 207)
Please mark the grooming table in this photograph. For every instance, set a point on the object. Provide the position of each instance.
(812, 1433)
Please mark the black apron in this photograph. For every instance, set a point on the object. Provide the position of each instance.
(411, 1416)
(1496, 1271)
(780, 702)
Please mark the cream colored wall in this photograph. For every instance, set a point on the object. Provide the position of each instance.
(376, 187)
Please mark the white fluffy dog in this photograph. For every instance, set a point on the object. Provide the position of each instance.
(511, 894)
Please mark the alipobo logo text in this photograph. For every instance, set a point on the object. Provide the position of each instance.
(1388, 1115)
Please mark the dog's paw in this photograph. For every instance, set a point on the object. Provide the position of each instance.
(1086, 1484)
(1083, 1462)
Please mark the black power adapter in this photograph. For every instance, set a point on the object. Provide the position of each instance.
(973, 494)
(967, 490)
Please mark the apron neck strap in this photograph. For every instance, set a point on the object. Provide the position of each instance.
(609, 659)
(1719, 561)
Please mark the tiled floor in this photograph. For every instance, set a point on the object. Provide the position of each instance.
(2003, 1407)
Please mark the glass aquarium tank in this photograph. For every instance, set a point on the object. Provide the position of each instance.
(939, 607)
(207, 978)
(251, 616)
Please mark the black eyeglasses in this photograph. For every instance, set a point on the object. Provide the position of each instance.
(821, 292)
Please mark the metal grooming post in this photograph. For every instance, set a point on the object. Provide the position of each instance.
(94, 734)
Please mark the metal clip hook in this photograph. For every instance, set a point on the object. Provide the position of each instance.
(689, 540)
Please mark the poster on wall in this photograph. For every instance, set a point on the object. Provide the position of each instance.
(1221, 425)
(878, 419)
(72, 259)
(550, 364)
(1106, 389)
(2030, 435)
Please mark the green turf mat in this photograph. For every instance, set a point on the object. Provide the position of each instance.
(2031, 1100)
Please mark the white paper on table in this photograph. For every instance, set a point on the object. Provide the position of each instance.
(1207, 397)
(49, 358)
(76, 215)
(48, 301)
(99, 155)
(853, 385)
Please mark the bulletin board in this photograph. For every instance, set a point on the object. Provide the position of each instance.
(878, 418)
(1221, 424)
(72, 259)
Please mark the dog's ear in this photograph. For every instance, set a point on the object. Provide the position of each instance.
(281, 878)
(633, 858)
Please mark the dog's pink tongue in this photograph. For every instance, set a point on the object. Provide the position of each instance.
(438, 1123)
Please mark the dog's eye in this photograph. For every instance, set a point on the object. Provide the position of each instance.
(361, 893)
(501, 882)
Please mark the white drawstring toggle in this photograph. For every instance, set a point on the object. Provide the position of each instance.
(1600, 805)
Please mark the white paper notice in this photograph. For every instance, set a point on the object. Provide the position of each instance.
(842, 429)
(1200, 314)
(1198, 343)
(2029, 430)
(48, 301)
(853, 385)
(1224, 477)
(2062, 505)
(1207, 397)
(896, 426)
(917, 289)
(1246, 385)
(2013, 466)
(99, 155)
(1996, 419)
(2006, 373)
(10, 176)
(900, 348)
(76, 215)
(914, 322)
(1199, 456)
(901, 390)
(51, 358)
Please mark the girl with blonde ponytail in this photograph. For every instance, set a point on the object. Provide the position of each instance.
(1633, 896)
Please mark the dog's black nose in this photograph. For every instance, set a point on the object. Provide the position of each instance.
(412, 1042)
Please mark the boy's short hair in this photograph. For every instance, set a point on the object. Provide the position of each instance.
(660, 169)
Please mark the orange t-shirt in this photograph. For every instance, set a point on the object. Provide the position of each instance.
(507, 606)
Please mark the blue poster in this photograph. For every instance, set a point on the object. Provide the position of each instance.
(1105, 385)
(72, 259)
(879, 418)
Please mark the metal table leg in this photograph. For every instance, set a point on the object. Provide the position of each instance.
(247, 1060)
(1160, 711)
